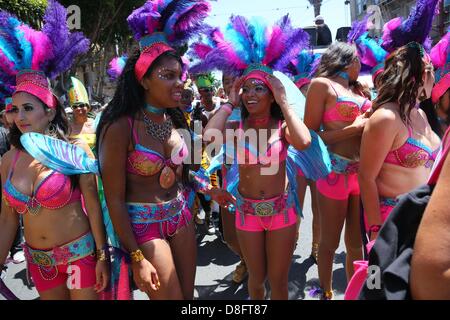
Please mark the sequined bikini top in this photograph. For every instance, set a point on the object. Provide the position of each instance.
(53, 192)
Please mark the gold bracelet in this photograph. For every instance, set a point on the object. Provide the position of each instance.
(101, 255)
(136, 256)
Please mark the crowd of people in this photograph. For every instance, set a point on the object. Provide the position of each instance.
(98, 196)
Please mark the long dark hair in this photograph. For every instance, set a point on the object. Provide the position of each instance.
(335, 59)
(129, 99)
(401, 79)
(58, 128)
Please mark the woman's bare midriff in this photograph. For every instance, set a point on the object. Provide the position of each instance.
(394, 180)
(257, 184)
(147, 189)
(51, 228)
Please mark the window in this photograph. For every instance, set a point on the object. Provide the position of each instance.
(359, 6)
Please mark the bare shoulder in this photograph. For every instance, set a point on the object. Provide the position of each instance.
(119, 129)
(386, 118)
(320, 82)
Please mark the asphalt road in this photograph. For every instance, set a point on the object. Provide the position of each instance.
(215, 265)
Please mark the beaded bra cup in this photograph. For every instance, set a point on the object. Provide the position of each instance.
(53, 192)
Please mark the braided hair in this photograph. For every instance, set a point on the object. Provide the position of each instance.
(129, 99)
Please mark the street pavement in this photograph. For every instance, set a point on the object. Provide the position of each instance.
(215, 266)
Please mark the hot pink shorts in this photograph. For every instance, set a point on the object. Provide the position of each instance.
(338, 186)
(77, 274)
(145, 232)
(253, 223)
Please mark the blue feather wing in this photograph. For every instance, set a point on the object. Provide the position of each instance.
(58, 155)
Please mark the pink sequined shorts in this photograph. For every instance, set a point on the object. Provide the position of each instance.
(72, 264)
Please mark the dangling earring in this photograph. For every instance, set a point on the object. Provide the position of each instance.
(52, 130)
(423, 95)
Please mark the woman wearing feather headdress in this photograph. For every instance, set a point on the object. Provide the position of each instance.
(406, 146)
(330, 103)
(414, 64)
(61, 240)
(265, 215)
(146, 183)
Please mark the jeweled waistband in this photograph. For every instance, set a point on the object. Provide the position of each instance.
(264, 207)
(67, 253)
(156, 212)
(343, 165)
(391, 202)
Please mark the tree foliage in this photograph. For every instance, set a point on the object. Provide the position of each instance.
(29, 11)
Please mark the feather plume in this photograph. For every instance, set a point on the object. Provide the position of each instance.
(116, 67)
(358, 28)
(416, 28)
(41, 44)
(143, 20)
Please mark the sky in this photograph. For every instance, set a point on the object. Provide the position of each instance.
(335, 13)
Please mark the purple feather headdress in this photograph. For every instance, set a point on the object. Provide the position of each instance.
(116, 66)
(256, 48)
(358, 28)
(28, 57)
(397, 33)
(161, 25)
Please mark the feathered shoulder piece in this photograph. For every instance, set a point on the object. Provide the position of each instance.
(416, 28)
(116, 66)
(46, 53)
(440, 57)
(161, 25)
(252, 44)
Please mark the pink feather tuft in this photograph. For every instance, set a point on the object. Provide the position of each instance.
(42, 46)
(201, 50)
(439, 52)
(275, 46)
(389, 27)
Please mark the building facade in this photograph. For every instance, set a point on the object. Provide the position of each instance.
(389, 9)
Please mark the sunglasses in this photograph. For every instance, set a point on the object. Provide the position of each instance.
(76, 106)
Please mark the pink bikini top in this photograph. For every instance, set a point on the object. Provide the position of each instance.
(248, 154)
(53, 192)
(412, 154)
(346, 109)
(145, 162)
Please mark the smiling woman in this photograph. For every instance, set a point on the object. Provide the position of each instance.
(147, 185)
(59, 234)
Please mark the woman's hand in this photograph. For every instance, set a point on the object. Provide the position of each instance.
(360, 122)
(235, 97)
(102, 274)
(222, 197)
(278, 90)
(145, 276)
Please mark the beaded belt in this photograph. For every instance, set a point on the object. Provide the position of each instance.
(390, 202)
(343, 165)
(145, 213)
(65, 254)
(264, 207)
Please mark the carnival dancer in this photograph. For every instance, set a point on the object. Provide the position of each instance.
(265, 216)
(146, 180)
(65, 247)
(332, 105)
(406, 146)
(82, 126)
